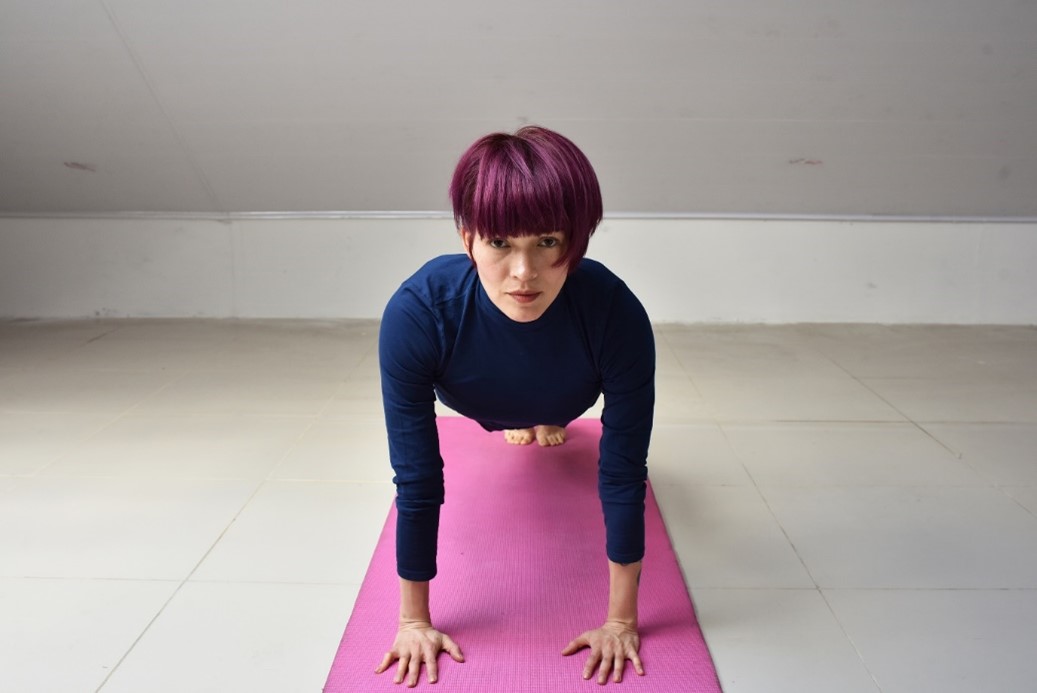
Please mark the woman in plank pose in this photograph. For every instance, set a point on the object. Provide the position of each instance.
(522, 334)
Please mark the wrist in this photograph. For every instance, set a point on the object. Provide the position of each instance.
(414, 602)
(620, 626)
(623, 621)
(414, 623)
(623, 588)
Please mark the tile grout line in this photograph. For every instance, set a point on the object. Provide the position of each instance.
(849, 639)
(179, 587)
(817, 587)
(992, 482)
(262, 484)
(193, 570)
(315, 418)
(895, 408)
(116, 418)
(792, 544)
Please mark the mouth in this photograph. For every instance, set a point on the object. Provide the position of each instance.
(524, 296)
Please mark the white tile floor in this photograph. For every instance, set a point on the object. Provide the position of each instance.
(191, 505)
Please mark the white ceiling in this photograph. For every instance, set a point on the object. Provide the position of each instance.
(842, 107)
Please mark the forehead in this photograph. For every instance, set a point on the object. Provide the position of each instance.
(523, 234)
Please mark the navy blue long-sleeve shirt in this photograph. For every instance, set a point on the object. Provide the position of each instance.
(442, 335)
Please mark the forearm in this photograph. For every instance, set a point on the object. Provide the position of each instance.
(414, 607)
(624, 580)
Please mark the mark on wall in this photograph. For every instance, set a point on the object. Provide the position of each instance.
(76, 166)
(805, 162)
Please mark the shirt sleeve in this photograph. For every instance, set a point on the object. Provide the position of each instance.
(628, 384)
(408, 355)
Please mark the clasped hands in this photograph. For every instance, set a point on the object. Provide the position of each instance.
(419, 643)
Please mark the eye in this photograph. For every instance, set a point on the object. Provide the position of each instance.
(497, 243)
(549, 242)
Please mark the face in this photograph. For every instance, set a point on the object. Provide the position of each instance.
(521, 275)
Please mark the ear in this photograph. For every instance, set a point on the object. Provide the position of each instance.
(466, 241)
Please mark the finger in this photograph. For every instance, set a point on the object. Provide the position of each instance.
(603, 671)
(575, 646)
(617, 668)
(389, 657)
(638, 667)
(591, 665)
(413, 671)
(432, 668)
(453, 649)
(401, 668)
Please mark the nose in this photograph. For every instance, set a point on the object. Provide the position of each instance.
(523, 266)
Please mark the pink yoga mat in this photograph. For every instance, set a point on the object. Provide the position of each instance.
(522, 571)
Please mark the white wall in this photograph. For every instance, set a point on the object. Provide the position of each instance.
(684, 270)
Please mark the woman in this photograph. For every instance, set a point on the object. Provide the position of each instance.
(522, 334)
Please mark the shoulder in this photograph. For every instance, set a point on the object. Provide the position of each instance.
(439, 281)
(420, 311)
(594, 272)
(594, 284)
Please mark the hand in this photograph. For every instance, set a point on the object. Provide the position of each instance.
(417, 643)
(611, 646)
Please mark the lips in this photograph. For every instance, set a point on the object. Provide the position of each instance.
(524, 296)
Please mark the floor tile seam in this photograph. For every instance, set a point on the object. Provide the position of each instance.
(1009, 386)
(295, 443)
(172, 477)
(169, 383)
(849, 638)
(260, 485)
(805, 420)
(56, 412)
(55, 365)
(928, 589)
(765, 486)
(977, 422)
(981, 424)
(62, 456)
(684, 369)
(378, 418)
(833, 589)
(981, 473)
(340, 389)
(728, 587)
(243, 416)
(179, 587)
(90, 578)
(753, 588)
(665, 340)
(372, 348)
(281, 583)
(903, 414)
(147, 627)
(723, 425)
(315, 372)
(770, 511)
(338, 482)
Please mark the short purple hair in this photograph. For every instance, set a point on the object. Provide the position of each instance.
(533, 182)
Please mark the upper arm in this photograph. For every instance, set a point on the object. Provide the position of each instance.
(409, 355)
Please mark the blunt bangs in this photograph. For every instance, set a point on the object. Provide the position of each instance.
(530, 183)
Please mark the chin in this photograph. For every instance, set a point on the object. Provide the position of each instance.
(525, 315)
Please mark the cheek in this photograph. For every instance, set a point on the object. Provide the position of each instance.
(490, 273)
(558, 276)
